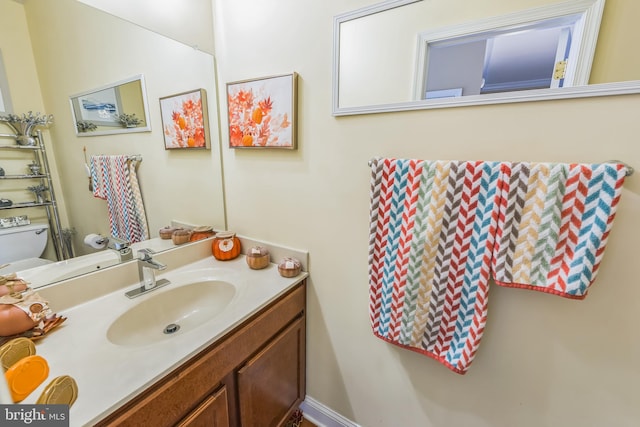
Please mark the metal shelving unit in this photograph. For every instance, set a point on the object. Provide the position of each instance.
(40, 157)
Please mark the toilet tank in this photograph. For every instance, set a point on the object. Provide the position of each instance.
(27, 241)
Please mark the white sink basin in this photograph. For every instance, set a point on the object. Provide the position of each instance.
(170, 312)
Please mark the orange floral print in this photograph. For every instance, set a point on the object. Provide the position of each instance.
(186, 128)
(250, 120)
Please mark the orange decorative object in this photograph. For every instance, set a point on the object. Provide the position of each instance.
(13, 320)
(25, 376)
(226, 246)
(200, 233)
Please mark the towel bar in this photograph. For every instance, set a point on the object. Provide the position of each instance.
(629, 169)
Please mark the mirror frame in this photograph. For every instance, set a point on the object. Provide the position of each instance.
(116, 130)
(600, 89)
(5, 94)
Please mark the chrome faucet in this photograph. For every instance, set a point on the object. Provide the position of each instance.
(121, 247)
(147, 267)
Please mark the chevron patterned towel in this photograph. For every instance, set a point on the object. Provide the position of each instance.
(115, 180)
(553, 225)
(430, 246)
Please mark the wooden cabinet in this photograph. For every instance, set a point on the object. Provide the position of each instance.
(254, 376)
(213, 412)
(273, 380)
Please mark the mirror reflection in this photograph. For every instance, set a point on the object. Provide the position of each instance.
(47, 63)
(120, 107)
(520, 53)
(384, 54)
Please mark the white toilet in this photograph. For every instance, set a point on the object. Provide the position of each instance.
(21, 247)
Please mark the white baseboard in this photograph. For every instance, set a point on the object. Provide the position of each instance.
(322, 416)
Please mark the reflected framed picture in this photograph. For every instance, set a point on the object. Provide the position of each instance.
(101, 107)
(262, 112)
(185, 123)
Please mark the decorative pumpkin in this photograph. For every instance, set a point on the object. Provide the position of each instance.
(289, 267)
(180, 236)
(226, 246)
(166, 232)
(202, 232)
(257, 258)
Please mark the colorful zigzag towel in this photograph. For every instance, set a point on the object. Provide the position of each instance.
(440, 229)
(430, 246)
(115, 180)
(554, 223)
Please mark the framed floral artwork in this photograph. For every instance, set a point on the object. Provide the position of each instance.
(262, 112)
(184, 120)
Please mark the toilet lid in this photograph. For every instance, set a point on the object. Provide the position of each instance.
(22, 228)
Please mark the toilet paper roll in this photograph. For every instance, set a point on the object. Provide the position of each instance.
(96, 241)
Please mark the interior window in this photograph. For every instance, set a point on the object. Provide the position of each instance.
(526, 50)
(520, 58)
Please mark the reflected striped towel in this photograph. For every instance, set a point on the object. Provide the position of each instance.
(430, 245)
(554, 223)
(115, 180)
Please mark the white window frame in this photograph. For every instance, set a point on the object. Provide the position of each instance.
(582, 49)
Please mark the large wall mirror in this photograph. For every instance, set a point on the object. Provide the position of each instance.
(119, 107)
(412, 54)
(117, 67)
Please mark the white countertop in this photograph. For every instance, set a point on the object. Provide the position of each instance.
(109, 375)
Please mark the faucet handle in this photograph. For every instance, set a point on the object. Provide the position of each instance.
(117, 243)
(145, 254)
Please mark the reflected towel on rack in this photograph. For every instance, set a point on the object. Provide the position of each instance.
(554, 224)
(115, 180)
(431, 239)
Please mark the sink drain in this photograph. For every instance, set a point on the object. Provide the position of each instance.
(171, 328)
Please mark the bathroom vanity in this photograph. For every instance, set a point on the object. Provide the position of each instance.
(237, 360)
(253, 376)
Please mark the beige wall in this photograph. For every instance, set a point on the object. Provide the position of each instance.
(544, 360)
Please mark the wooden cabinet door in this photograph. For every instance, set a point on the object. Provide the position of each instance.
(213, 412)
(271, 385)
